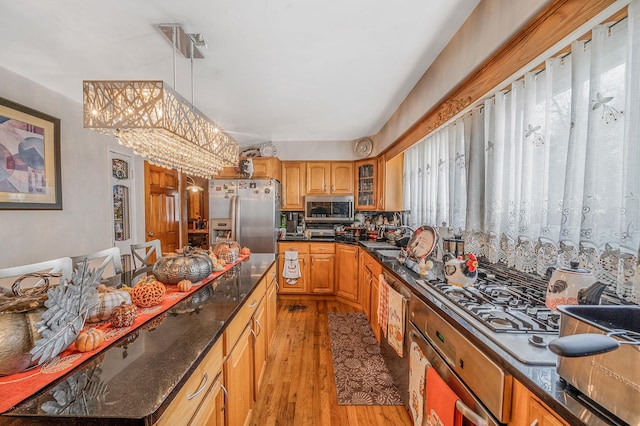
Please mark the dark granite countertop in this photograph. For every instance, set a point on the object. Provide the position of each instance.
(134, 380)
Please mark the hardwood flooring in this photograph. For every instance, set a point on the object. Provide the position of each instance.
(298, 385)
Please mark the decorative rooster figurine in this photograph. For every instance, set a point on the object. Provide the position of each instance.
(462, 271)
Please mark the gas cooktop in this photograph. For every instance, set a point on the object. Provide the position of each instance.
(509, 311)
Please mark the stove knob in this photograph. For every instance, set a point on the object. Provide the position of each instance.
(538, 341)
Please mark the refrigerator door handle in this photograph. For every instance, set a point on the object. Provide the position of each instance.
(234, 216)
(236, 225)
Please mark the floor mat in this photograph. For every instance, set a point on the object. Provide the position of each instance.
(361, 375)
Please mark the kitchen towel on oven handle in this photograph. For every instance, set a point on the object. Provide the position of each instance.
(383, 304)
(440, 401)
(396, 321)
(291, 270)
(418, 365)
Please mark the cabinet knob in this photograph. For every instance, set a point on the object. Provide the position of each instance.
(151, 234)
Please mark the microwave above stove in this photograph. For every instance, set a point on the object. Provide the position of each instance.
(328, 209)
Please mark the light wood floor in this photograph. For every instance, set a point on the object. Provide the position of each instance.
(298, 386)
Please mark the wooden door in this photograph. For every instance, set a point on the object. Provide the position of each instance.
(272, 308)
(259, 346)
(162, 206)
(375, 288)
(365, 184)
(211, 412)
(293, 181)
(342, 178)
(321, 272)
(347, 271)
(299, 285)
(318, 178)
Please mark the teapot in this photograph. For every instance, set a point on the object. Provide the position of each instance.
(461, 271)
(572, 286)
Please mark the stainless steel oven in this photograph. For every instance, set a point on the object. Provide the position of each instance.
(483, 387)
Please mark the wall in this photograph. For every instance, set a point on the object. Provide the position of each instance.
(84, 223)
(316, 150)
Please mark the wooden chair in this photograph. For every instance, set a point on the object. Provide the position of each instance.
(101, 258)
(63, 266)
(141, 253)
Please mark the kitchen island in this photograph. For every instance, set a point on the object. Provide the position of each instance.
(136, 379)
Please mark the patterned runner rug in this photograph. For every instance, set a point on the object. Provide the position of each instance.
(360, 372)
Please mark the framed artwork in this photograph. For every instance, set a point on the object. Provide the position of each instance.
(30, 176)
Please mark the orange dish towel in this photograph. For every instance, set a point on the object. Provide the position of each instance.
(440, 402)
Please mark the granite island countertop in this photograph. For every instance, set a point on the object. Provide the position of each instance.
(134, 380)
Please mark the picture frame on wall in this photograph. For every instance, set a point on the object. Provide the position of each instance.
(30, 175)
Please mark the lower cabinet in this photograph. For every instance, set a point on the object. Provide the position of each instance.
(193, 405)
(370, 287)
(293, 286)
(347, 271)
(528, 410)
(271, 304)
(259, 333)
(238, 369)
(322, 266)
(375, 288)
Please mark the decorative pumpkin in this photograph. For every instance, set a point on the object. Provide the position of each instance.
(89, 340)
(108, 298)
(190, 265)
(18, 335)
(124, 315)
(213, 258)
(184, 285)
(245, 251)
(227, 251)
(148, 294)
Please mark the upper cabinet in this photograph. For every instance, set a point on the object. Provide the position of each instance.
(365, 184)
(329, 178)
(389, 184)
(263, 168)
(293, 181)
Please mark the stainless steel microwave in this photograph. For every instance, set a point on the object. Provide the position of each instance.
(328, 209)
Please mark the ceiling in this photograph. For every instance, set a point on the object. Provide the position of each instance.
(274, 70)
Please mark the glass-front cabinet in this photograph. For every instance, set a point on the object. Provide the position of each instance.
(366, 184)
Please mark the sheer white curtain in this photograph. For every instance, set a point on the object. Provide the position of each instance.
(551, 167)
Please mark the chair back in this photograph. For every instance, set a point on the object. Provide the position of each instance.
(142, 252)
(63, 266)
(109, 257)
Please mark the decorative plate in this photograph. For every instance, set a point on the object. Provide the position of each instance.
(250, 152)
(267, 150)
(422, 242)
(363, 147)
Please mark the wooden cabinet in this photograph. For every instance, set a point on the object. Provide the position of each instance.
(322, 267)
(212, 409)
(389, 182)
(259, 346)
(347, 271)
(293, 185)
(369, 286)
(364, 284)
(527, 409)
(365, 185)
(192, 404)
(271, 304)
(301, 284)
(375, 289)
(263, 167)
(329, 178)
(239, 379)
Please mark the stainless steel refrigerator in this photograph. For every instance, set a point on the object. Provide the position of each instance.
(245, 210)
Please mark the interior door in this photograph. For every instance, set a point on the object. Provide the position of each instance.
(162, 206)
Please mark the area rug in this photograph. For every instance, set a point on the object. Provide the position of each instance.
(361, 375)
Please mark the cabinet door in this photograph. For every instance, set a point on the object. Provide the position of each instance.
(365, 186)
(375, 288)
(318, 178)
(347, 271)
(239, 379)
(300, 285)
(259, 347)
(293, 181)
(389, 182)
(365, 296)
(211, 412)
(527, 410)
(322, 272)
(271, 306)
(342, 178)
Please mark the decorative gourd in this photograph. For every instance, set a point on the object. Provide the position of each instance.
(148, 294)
(245, 251)
(89, 340)
(124, 315)
(227, 251)
(184, 285)
(108, 298)
(190, 265)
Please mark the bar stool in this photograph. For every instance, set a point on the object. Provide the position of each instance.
(101, 258)
(142, 252)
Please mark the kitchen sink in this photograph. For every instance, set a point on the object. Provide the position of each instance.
(389, 253)
(376, 245)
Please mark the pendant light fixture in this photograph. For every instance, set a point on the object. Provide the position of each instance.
(156, 122)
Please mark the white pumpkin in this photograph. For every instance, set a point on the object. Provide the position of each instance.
(108, 298)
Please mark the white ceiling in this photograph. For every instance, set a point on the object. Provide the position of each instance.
(281, 70)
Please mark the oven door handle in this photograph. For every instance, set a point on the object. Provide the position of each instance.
(470, 414)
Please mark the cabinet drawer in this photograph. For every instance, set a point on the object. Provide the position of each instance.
(239, 322)
(322, 248)
(299, 247)
(189, 398)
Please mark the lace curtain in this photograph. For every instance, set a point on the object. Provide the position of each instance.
(552, 166)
